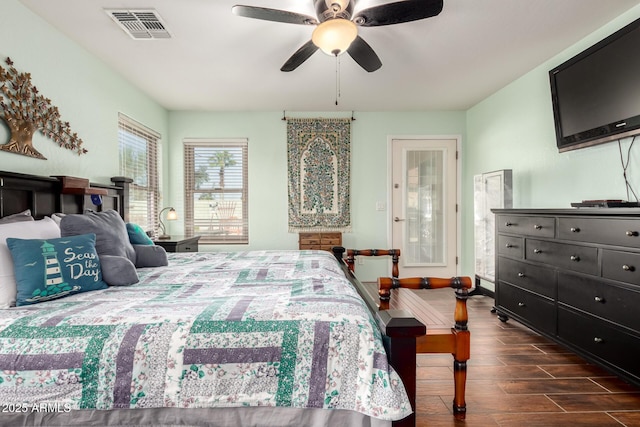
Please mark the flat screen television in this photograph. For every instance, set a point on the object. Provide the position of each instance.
(596, 94)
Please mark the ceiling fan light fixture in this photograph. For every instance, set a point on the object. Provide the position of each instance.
(334, 36)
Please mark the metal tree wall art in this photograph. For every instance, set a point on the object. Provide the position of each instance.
(26, 111)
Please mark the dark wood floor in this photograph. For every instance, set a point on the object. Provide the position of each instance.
(518, 378)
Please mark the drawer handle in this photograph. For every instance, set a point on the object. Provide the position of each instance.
(575, 258)
(521, 304)
(598, 299)
(626, 267)
(575, 229)
(508, 224)
(598, 340)
(520, 274)
(537, 227)
(508, 245)
(537, 251)
(632, 233)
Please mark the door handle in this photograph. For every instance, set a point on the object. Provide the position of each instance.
(396, 219)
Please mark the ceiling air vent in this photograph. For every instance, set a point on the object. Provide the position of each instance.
(144, 24)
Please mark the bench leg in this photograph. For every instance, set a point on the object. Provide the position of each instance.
(459, 381)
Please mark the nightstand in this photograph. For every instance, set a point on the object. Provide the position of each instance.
(179, 244)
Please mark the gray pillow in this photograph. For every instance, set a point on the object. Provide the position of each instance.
(17, 217)
(110, 230)
(150, 256)
(118, 270)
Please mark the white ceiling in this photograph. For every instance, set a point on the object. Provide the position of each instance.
(219, 61)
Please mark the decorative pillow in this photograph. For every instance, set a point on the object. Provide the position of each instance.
(150, 256)
(110, 230)
(137, 236)
(118, 270)
(18, 217)
(41, 229)
(47, 269)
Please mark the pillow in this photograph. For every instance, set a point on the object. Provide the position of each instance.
(47, 269)
(150, 256)
(57, 217)
(111, 239)
(118, 270)
(17, 217)
(42, 229)
(137, 236)
(110, 230)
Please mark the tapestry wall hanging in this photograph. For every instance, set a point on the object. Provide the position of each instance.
(319, 162)
(26, 111)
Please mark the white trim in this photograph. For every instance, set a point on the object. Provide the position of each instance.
(207, 141)
(126, 120)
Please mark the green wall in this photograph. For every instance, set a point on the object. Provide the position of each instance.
(513, 129)
(266, 132)
(88, 94)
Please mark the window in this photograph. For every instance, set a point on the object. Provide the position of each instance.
(216, 190)
(139, 161)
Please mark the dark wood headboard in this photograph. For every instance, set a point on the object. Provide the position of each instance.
(44, 196)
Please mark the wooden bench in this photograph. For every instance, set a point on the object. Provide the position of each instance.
(440, 336)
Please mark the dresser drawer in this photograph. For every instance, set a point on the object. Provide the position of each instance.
(309, 239)
(511, 246)
(325, 241)
(530, 226)
(573, 257)
(600, 298)
(619, 232)
(187, 247)
(534, 278)
(532, 309)
(622, 266)
(331, 239)
(602, 340)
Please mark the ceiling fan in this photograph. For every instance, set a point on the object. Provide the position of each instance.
(337, 27)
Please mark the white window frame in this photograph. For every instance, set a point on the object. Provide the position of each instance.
(216, 209)
(144, 191)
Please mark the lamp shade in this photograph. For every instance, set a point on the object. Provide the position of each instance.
(334, 36)
(172, 215)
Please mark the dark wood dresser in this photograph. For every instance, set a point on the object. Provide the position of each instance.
(573, 275)
(324, 241)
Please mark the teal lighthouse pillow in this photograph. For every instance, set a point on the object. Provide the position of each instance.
(47, 269)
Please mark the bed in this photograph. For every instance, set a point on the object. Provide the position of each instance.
(243, 338)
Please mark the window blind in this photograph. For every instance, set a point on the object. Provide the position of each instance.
(138, 147)
(216, 201)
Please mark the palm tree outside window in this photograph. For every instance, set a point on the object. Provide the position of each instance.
(216, 190)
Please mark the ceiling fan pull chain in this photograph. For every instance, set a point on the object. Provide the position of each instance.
(337, 79)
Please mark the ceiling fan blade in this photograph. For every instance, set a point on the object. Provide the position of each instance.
(299, 56)
(398, 12)
(364, 55)
(275, 15)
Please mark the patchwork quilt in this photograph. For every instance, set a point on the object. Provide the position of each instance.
(259, 328)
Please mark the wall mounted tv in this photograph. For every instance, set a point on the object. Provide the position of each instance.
(596, 94)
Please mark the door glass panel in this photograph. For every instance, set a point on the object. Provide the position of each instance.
(424, 208)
